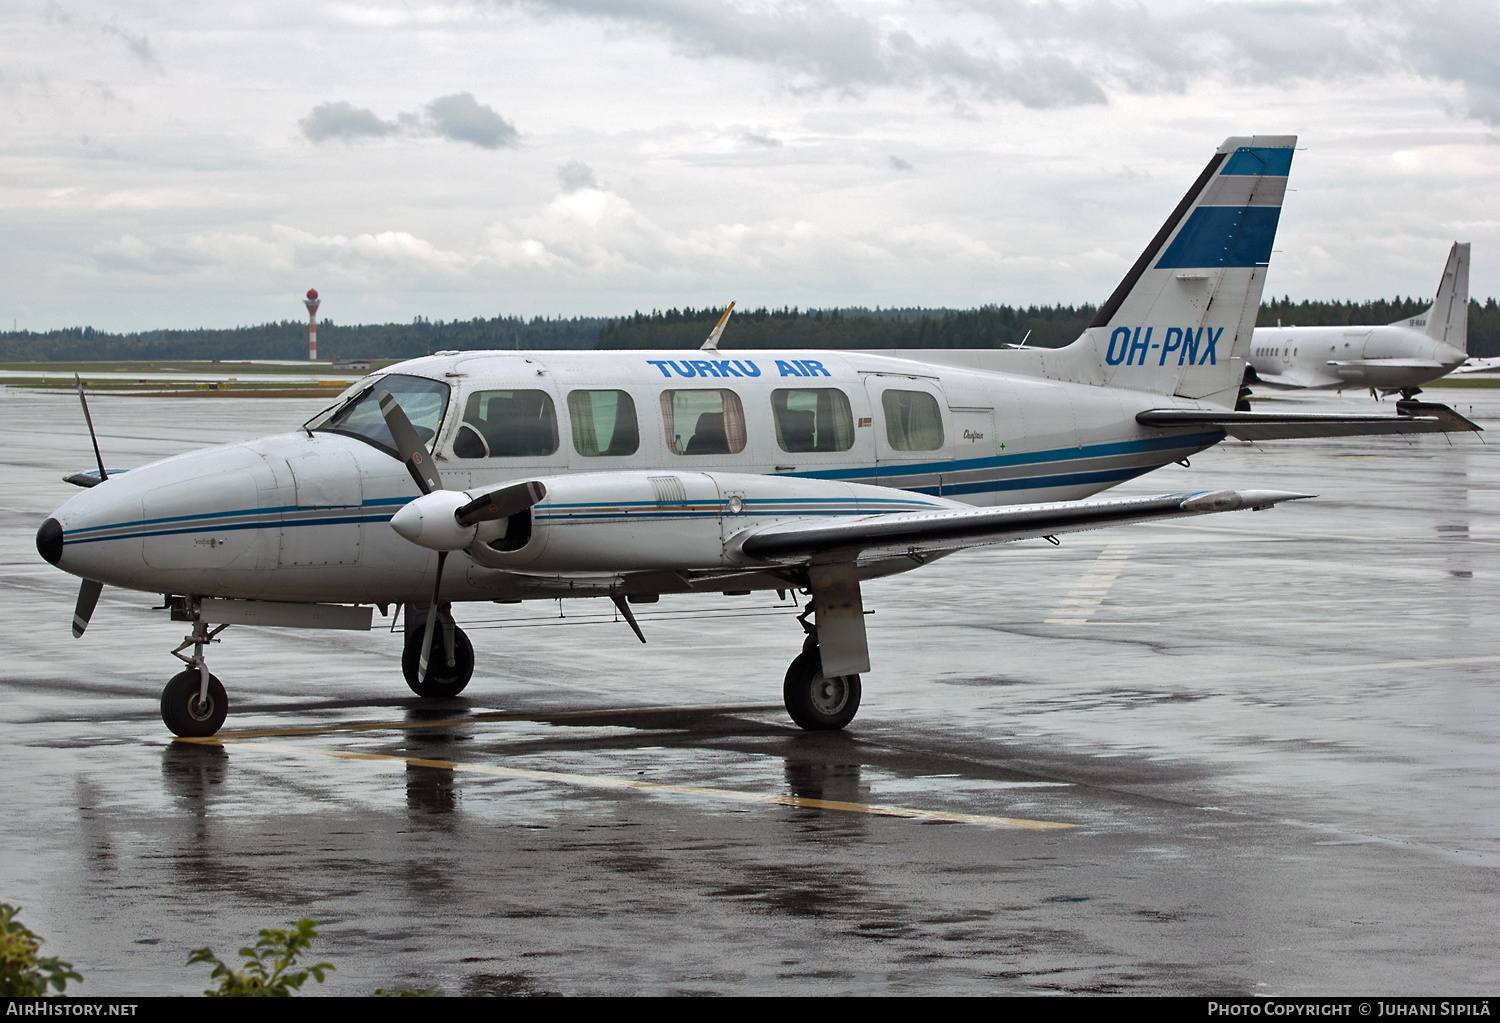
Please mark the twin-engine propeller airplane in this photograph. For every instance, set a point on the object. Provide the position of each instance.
(1397, 357)
(805, 470)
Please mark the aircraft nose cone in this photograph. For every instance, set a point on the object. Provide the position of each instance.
(49, 541)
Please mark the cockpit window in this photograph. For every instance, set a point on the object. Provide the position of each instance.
(423, 401)
(507, 424)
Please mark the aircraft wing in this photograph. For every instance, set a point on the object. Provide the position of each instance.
(1387, 363)
(929, 533)
(1478, 366)
(1410, 417)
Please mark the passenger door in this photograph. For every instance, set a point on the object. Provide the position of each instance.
(913, 432)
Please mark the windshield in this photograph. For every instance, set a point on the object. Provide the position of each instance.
(423, 401)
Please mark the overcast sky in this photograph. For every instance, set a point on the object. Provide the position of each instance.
(187, 164)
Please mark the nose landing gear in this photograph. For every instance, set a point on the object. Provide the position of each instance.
(194, 704)
(815, 701)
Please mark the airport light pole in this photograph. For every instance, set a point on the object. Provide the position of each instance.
(312, 302)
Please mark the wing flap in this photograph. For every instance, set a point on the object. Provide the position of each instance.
(1411, 417)
(924, 533)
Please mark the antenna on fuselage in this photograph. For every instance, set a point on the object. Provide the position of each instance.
(712, 344)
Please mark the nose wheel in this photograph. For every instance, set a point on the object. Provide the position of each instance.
(187, 714)
(194, 704)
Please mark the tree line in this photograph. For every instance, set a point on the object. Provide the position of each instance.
(989, 326)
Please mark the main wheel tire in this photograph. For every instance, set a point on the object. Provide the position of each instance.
(184, 715)
(442, 681)
(815, 701)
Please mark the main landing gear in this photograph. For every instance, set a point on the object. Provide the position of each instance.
(194, 704)
(452, 661)
(815, 701)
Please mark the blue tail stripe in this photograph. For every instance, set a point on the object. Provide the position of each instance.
(1254, 160)
(1223, 236)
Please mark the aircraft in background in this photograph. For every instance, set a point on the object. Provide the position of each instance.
(505, 476)
(1398, 357)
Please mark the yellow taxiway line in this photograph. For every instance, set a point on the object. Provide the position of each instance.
(597, 781)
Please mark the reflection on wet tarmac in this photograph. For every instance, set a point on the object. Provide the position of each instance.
(192, 771)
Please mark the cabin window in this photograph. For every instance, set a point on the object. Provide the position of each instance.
(604, 423)
(812, 419)
(912, 421)
(423, 401)
(704, 422)
(507, 424)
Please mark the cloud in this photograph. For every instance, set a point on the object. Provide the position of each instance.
(575, 176)
(138, 46)
(755, 139)
(898, 164)
(343, 120)
(1068, 53)
(820, 45)
(459, 117)
(464, 119)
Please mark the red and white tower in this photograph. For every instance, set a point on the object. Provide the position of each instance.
(312, 302)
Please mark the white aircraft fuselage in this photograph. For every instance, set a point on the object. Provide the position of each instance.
(1387, 358)
(305, 515)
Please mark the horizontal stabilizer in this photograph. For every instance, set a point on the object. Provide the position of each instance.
(923, 533)
(1410, 417)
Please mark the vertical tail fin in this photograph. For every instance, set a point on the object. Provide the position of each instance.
(1447, 320)
(1181, 320)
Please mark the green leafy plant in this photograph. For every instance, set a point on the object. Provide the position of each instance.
(267, 971)
(22, 974)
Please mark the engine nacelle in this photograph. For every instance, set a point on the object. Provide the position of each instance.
(665, 521)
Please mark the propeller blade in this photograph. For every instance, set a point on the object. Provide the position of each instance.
(410, 447)
(432, 616)
(88, 596)
(97, 456)
(500, 504)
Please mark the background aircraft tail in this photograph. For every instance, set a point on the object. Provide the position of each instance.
(1447, 320)
(1181, 320)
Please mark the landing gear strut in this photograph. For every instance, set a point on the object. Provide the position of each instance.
(451, 664)
(818, 702)
(194, 704)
